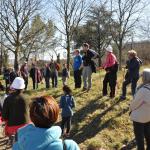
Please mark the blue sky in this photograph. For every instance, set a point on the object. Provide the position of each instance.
(48, 12)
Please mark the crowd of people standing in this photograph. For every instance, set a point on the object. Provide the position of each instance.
(43, 112)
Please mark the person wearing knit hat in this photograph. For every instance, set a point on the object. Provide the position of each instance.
(109, 49)
(111, 67)
(15, 108)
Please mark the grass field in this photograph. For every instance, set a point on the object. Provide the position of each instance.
(98, 122)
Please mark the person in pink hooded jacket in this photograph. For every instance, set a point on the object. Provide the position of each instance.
(111, 67)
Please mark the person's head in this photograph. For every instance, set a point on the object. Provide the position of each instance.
(52, 61)
(33, 65)
(146, 76)
(11, 69)
(18, 84)
(8, 90)
(109, 49)
(25, 63)
(46, 65)
(64, 65)
(76, 52)
(44, 111)
(132, 54)
(86, 47)
(67, 90)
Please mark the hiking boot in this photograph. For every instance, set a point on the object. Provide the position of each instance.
(84, 89)
(88, 89)
(122, 97)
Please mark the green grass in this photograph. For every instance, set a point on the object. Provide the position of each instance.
(98, 122)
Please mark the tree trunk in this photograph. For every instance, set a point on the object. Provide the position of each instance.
(16, 63)
(68, 52)
(99, 59)
(58, 58)
(1, 58)
(120, 58)
(5, 59)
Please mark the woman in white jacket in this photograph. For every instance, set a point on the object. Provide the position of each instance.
(140, 112)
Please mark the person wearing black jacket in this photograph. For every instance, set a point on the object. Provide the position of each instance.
(7, 77)
(47, 75)
(15, 108)
(13, 74)
(132, 75)
(35, 74)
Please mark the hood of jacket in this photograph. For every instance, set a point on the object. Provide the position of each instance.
(33, 138)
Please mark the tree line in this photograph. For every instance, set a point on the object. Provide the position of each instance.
(24, 32)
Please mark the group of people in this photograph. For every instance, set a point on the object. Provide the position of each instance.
(34, 128)
(32, 124)
(36, 74)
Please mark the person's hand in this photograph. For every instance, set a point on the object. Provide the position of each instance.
(100, 68)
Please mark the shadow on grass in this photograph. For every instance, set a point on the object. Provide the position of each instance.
(90, 130)
(3, 143)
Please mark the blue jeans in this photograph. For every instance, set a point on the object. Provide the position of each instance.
(54, 77)
(47, 82)
(133, 86)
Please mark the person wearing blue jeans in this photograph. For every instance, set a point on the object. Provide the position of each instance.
(133, 86)
(132, 75)
(54, 77)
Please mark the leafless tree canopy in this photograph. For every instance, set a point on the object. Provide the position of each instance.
(15, 14)
(126, 15)
(71, 13)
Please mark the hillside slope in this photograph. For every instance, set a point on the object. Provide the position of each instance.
(98, 121)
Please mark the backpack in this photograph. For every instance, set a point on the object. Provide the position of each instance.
(93, 66)
(57, 67)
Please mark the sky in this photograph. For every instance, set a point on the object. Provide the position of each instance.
(51, 13)
(48, 12)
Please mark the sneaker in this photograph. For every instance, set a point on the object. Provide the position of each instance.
(122, 97)
(88, 89)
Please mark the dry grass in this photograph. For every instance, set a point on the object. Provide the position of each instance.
(98, 122)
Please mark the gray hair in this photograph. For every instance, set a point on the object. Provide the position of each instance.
(146, 76)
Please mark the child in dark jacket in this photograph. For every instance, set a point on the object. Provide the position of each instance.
(67, 103)
(65, 74)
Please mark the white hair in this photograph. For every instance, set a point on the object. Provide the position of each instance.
(146, 75)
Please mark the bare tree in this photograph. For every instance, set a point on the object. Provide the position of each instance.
(15, 15)
(37, 38)
(126, 15)
(145, 29)
(99, 17)
(71, 13)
